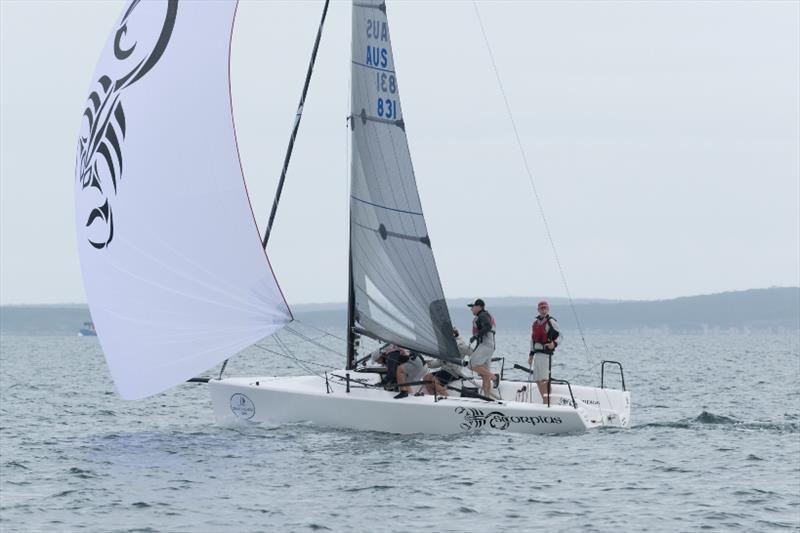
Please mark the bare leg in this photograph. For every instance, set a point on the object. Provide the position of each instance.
(441, 390)
(434, 385)
(401, 379)
(431, 386)
(542, 386)
(487, 377)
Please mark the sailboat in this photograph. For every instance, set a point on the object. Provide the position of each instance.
(87, 330)
(168, 241)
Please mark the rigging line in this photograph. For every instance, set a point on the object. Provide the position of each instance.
(295, 127)
(385, 206)
(294, 357)
(286, 355)
(372, 67)
(324, 333)
(533, 184)
(312, 341)
(301, 341)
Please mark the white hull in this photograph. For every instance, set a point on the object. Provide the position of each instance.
(304, 399)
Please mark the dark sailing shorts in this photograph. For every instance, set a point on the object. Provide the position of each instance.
(444, 377)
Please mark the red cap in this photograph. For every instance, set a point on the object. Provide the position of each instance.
(543, 302)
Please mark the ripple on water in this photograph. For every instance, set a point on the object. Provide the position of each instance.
(81, 473)
(370, 488)
(707, 420)
(714, 457)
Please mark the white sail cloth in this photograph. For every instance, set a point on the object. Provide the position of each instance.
(172, 262)
(396, 286)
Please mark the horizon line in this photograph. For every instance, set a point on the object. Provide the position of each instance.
(595, 299)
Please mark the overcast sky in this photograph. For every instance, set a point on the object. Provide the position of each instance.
(663, 136)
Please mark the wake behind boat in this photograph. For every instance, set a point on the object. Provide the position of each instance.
(195, 273)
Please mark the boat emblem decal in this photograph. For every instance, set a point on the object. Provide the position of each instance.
(566, 401)
(242, 406)
(100, 143)
(476, 419)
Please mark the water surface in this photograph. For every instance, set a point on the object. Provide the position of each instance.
(715, 444)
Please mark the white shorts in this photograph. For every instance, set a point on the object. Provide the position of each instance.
(414, 369)
(482, 356)
(541, 367)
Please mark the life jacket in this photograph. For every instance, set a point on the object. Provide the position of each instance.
(395, 356)
(403, 354)
(394, 348)
(542, 332)
(475, 328)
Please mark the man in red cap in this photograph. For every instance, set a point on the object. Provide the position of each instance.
(545, 337)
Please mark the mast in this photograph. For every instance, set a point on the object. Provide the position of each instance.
(296, 126)
(351, 296)
(351, 308)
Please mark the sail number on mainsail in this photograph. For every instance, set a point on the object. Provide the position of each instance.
(378, 57)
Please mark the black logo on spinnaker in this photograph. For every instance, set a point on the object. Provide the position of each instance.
(476, 419)
(99, 158)
(242, 406)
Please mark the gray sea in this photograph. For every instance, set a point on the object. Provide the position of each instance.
(714, 445)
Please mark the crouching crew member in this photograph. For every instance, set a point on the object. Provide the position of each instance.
(402, 366)
(448, 372)
(545, 337)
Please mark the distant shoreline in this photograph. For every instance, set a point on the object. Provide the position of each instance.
(776, 307)
(453, 302)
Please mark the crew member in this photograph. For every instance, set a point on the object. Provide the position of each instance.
(447, 372)
(545, 337)
(402, 366)
(483, 330)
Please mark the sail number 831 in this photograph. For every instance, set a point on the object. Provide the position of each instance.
(387, 108)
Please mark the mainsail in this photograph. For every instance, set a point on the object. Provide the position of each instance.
(396, 288)
(172, 262)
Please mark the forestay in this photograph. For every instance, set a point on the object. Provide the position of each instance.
(172, 261)
(398, 295)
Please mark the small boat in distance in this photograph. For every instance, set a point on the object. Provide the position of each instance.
(87, 330)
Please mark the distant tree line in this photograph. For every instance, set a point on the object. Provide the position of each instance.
(756, 308)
